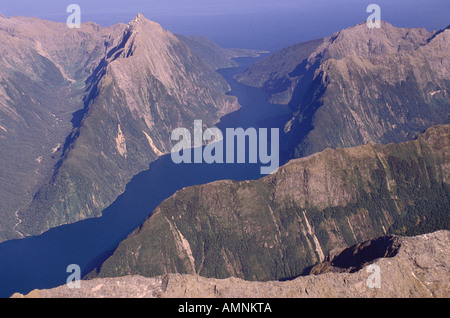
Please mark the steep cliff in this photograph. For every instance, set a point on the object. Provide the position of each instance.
(358, 86)
(43, 70)
(121, 91)
(278, 226)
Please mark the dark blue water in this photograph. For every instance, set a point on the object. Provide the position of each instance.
(41, 261)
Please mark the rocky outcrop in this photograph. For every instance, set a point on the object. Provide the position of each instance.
(408, 267)
(278, 226)
(358, 86)
(121, 91)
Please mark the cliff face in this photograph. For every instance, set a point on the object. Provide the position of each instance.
(278, 226)
(358, 86)
(127, 87)
(43, 70)
(408, 267)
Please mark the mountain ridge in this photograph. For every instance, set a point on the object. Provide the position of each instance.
(357, 86)
(128, 87)
(278, 226)
(39, 92)
(416, 270)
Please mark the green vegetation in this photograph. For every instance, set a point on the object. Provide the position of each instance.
(268, 229)
(62, 158)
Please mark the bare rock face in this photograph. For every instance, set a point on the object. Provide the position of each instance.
(84, 110)
(410, 267)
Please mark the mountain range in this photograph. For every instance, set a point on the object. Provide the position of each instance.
(276, 227)
(84, 110)
(379, 89)
(358, 86)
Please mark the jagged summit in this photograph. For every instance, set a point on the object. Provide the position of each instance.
(366, 42)
(139, 16)
(140, 21)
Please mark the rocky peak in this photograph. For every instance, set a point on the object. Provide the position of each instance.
(146, 48)
(141, 24)
(146, 36)
(371, 85)
(139, 17)
(365, 42)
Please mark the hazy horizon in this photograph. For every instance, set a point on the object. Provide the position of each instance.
(256, 24)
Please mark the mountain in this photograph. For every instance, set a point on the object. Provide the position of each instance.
(358, 86)
(409, 267)
(214, 55)
(84, 110)
(279, 226)
(43, 69)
